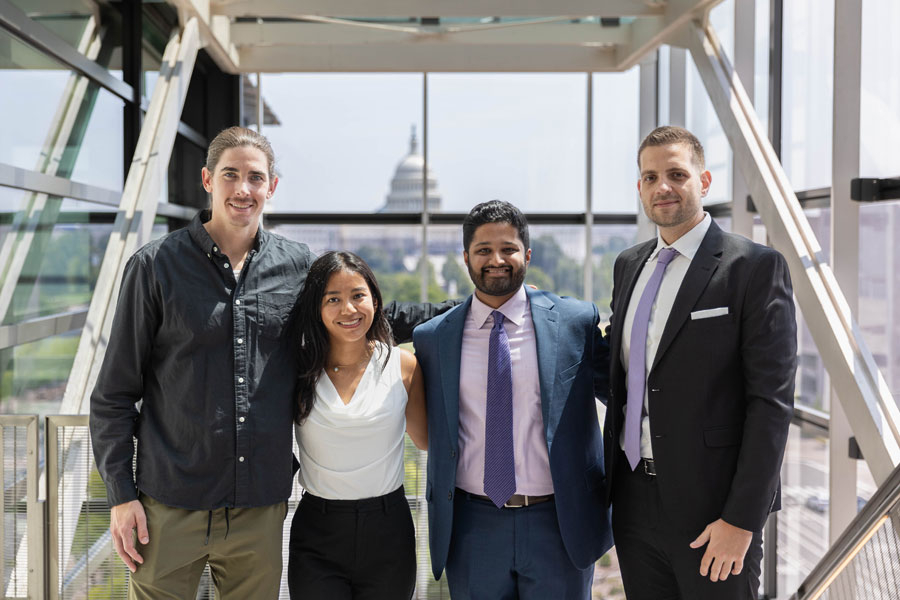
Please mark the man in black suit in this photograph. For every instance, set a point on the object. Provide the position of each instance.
(703, 357)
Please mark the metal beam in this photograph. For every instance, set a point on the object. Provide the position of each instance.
(40, 328)
(647, 34)
(844, 243)
(431, 8)
(863, 390)
(42, 183)
(136, 211)
(311, 33)
(427, 57)
(38, 36)
(214, 30)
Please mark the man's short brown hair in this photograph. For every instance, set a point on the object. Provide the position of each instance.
(670, 134)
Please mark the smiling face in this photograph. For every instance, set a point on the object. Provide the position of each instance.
(497, 260)
(347, 307)
(672, 187)
(239, 188)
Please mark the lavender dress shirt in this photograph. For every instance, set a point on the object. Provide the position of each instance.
(529, 443)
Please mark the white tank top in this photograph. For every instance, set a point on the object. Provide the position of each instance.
(355, 450)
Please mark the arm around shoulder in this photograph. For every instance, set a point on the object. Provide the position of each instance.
(413, 380)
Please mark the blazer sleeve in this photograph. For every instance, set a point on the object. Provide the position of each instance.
(769, 359)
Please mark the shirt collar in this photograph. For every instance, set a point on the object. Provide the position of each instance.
(688, 244)
(513, 309)
(202, 238)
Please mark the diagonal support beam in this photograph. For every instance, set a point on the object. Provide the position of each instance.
(137, 210)
(649, 33)
(862, 389)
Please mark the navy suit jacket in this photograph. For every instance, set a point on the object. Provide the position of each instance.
(573, 365)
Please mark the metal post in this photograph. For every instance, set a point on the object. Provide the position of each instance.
(423, 292)
(844, 239)
(677, 87)
(132, 28)
(776, 64)
(649, 110)
(744, 51)
(588, 293)
(260, 110)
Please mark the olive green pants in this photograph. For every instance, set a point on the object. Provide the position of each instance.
(245, 563)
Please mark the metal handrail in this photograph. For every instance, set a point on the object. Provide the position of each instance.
(860, 530)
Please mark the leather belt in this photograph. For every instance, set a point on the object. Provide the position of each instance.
(647, 466)
(515, 501)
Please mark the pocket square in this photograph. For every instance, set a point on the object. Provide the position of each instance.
(709, 312)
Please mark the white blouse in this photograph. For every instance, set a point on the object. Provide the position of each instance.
(355, 450)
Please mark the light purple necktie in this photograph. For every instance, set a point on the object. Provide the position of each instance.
(637, 357)
(499, 460)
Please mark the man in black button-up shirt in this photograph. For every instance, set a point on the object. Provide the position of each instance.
(201, 337)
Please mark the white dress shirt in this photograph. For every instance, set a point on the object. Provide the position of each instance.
(687, 246)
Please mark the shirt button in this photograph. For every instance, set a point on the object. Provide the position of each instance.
(241, 419)
(241, 458)
(215, 248)
(225, 265)
(240, 380)
(240, 340)
(449, 495)
(238, 302)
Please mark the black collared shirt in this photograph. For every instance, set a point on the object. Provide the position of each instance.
(209, 355)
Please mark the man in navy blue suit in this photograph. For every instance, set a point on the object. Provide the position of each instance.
(515, 486)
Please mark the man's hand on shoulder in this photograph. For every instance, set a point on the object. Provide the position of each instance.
(123, 520)
(726, 546)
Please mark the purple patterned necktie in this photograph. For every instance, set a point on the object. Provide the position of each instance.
(499, 460)
(637, 357)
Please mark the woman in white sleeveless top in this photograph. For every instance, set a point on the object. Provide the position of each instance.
(352, 535)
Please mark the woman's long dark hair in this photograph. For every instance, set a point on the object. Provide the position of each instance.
(310, 335)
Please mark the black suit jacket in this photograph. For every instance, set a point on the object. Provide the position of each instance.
(720, 389)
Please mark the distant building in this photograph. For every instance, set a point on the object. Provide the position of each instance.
(406, 186)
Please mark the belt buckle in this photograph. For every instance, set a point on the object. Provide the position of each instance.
(649, 467)
(508, 505)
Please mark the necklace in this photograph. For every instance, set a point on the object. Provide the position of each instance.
(364, 359)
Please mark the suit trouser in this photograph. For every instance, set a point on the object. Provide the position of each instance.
(243, 548)
(511, 553)
(655, 557)
(353, 549)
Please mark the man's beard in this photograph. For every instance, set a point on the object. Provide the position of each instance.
(498, 286)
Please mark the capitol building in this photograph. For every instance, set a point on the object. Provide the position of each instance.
(406, 187)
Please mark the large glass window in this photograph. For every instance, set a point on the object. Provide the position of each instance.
(879, 287)
(811, 387)
(880, 99)
(807, 83)
(803, 519)
(616, 138)
(344, 138)
(33, 376)
(515, 137)
(608, 242)
(58, 123)
(51, 255)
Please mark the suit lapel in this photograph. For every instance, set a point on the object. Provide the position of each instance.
(546, 338)
(630, 273)
(703, 265)
(450, 334)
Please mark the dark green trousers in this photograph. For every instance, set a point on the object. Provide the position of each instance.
(245, 563)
